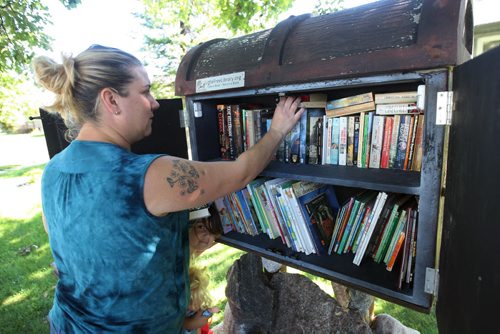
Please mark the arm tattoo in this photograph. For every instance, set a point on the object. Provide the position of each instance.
(185, 175)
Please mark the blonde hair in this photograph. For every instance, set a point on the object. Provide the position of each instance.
(77, 81)
(198, 279)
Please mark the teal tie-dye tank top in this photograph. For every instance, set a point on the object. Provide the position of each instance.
(121, 268)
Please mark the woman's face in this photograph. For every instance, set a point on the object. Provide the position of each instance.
(138, 106)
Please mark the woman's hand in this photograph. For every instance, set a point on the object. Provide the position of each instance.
(286, 115)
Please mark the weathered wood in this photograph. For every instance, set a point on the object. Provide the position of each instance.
(380, 37)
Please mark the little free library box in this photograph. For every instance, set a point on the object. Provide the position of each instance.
(421, 148)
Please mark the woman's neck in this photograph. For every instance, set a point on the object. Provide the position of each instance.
(92, 132)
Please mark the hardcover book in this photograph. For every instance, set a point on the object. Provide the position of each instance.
(320, 207)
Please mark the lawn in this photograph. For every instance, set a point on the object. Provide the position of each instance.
(26, 279)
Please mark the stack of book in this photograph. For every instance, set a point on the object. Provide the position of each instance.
(381, 130)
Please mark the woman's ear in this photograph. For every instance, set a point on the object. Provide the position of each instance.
(108, 100)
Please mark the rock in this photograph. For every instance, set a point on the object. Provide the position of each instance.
(249, 296)
(386, 324)
(288, 303)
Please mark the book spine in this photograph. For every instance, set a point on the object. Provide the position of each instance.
(350, 141)
(399, 229)
(361, 135)
(376, 141)
(356, 141)
(334, 154)
(303, 138)
(386, 143)
(395, 253)
(397, 108)
(394, 140)
(230, 133)
(223, 134)
(411, 148)
(397, 97)
(402, 142)
(367, 139)
(343, 141)
(350, 100)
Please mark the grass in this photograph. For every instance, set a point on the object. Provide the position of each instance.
(26, 279)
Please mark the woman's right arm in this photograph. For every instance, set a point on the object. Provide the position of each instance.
(174, 184)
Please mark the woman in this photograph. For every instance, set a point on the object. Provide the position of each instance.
(117, 221)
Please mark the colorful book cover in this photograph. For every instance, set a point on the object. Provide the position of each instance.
(350, 140)
(314, 129)
(386, 142)
(343, 141)
(356, 141)
(303, 138)
(361, 140)
(376, 141)
(320, 208)
(334, 149)
(225, 218)
(394, 140)
(402, 141)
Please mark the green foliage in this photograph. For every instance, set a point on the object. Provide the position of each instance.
(328, 6)
(21, 30)
(171, 33)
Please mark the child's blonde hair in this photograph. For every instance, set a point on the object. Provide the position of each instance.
(198, 278)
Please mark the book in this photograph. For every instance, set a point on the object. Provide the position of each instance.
(361, 139)
(271, 186)
(411, 141)
(339, 249)
(304, 232)
(313, 100)
(334, 148)
(410, 268)
(223, 131)
(369, 227)
(338, 218)
(339, 232)
(313, 136)
(303, 138)
(416, 162)
(350, 140)
(351, 110)
(394, 140)
(225, 218)
(376, 141)
(230, 132)
(367, 134)
(356, 141)
(288, 218)
(386, 142)
(257, 205)
(342, 141)
(320, 207)
(294, 144)
(402, 145)
(389, 228)
(396, 97)
(349, 101)
(399, 228)
(365, 199)
(395, 253)
(397, 108)
(199, 213)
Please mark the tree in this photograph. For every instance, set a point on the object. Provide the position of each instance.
(186, 23)
(22, 24)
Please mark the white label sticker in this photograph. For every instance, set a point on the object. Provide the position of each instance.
(226, 81)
